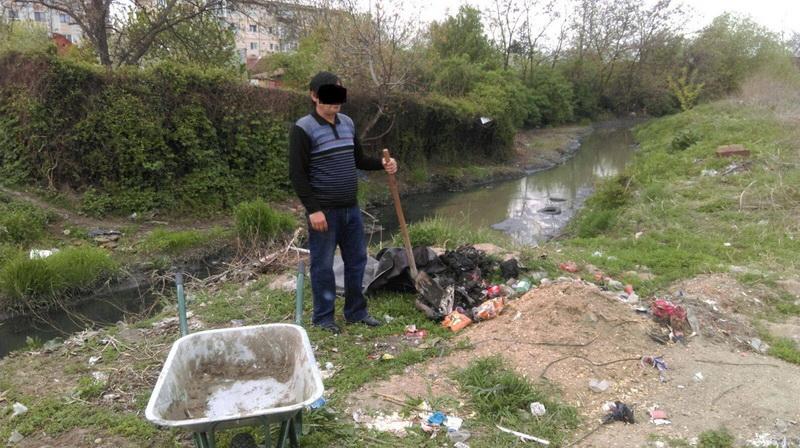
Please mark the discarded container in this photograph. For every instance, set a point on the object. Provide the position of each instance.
(494, 291)
(19, 409)
(629, 289)
(656, 414)
(569, 266)
(38, 254)
(458, 437)
(522, 286)
(664, 309)
(456, 321)
(488, 309)
(698, 377)
(538, 409)
(387, 357)
(318, 404)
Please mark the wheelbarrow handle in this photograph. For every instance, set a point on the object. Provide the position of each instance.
(298, 299)
(181, 304)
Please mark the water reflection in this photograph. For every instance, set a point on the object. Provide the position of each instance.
(516, 207)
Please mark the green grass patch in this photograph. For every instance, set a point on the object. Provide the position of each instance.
(258, 221)
(447, 233)
(502, 396)
(719, 438)
(174, 242)
(36, 284)
(20, 223)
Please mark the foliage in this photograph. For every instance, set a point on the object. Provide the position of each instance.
(257, 221)
(204, 40)
(461, 36)
(456, 76)
(441, 232)
(176, 241)
(299, 66)
(684, 139)
(685, 89)
(21, 223)
(731, 48)
(24, 37)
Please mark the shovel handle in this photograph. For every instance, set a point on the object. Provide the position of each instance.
(412, 264)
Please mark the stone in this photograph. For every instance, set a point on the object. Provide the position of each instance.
(792, 286)
(284, 282)
(759, 345)
(52, 345)
(732, 151)
(598, 385)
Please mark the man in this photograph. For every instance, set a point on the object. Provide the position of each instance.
(324, 153)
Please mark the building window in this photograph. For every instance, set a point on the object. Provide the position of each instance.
(253, 28)
(271, 47)
(63, 18)
(12, 14)
(271, 29)
(254, 45)
(69, 38)
(38, 16)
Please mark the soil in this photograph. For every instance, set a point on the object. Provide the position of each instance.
(78, 437)
(557, 332)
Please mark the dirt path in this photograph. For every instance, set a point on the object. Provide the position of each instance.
(554, 333)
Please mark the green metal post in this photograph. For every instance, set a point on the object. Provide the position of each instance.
(298, 299)
(181, 304)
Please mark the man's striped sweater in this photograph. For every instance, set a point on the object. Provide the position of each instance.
(323, 158)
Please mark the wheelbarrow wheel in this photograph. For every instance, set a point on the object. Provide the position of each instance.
(243, 440)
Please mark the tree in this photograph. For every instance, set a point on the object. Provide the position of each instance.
(371, 50)
(203, 40)
(459, 35)
(506, 21)
(125, 37)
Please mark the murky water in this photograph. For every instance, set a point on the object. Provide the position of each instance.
(533, 208)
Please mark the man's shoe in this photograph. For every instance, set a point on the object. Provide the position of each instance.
(329, 326)
(368, 321)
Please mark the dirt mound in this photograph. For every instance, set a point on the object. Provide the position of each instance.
(570, 332)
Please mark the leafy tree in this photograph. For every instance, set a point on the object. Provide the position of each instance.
(461, 34)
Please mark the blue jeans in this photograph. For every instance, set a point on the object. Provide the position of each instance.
(346, 230)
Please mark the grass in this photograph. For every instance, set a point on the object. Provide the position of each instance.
(173, 242)
(689, 224)
(442, 232)
(258, 221)
(501, 396)
(39, 283)
(719, 438)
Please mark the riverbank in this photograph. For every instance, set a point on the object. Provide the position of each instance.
(716, 235)
(534, 150)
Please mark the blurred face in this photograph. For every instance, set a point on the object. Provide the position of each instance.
(329, 100)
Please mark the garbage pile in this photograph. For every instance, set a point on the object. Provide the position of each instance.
(467, 293)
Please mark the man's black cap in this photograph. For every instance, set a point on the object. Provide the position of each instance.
(321, 79)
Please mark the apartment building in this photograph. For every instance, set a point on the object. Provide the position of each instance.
(53, 21)
(267, 28)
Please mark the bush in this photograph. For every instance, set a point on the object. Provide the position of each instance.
(257, 221)
(21, 223)
(684, 139)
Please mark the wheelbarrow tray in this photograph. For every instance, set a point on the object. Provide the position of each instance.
(244, 376)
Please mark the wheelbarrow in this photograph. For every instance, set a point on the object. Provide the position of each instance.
(257, 375)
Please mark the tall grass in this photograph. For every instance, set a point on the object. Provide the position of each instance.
(177, 241)
(21, 224)
(448, 233)
(256, 221)
(39, 283)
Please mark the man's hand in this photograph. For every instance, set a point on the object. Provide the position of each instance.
(390, 166)
(318, 221)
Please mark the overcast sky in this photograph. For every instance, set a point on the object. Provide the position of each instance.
(777, 15)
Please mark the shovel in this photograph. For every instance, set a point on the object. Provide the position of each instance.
(430, 290)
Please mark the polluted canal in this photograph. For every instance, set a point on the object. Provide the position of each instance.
(533, 208)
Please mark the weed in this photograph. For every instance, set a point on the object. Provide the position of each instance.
(257, 221)
(21, 223)
(684, 139)
(502, 396)
(719, 438)
(89, 388)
